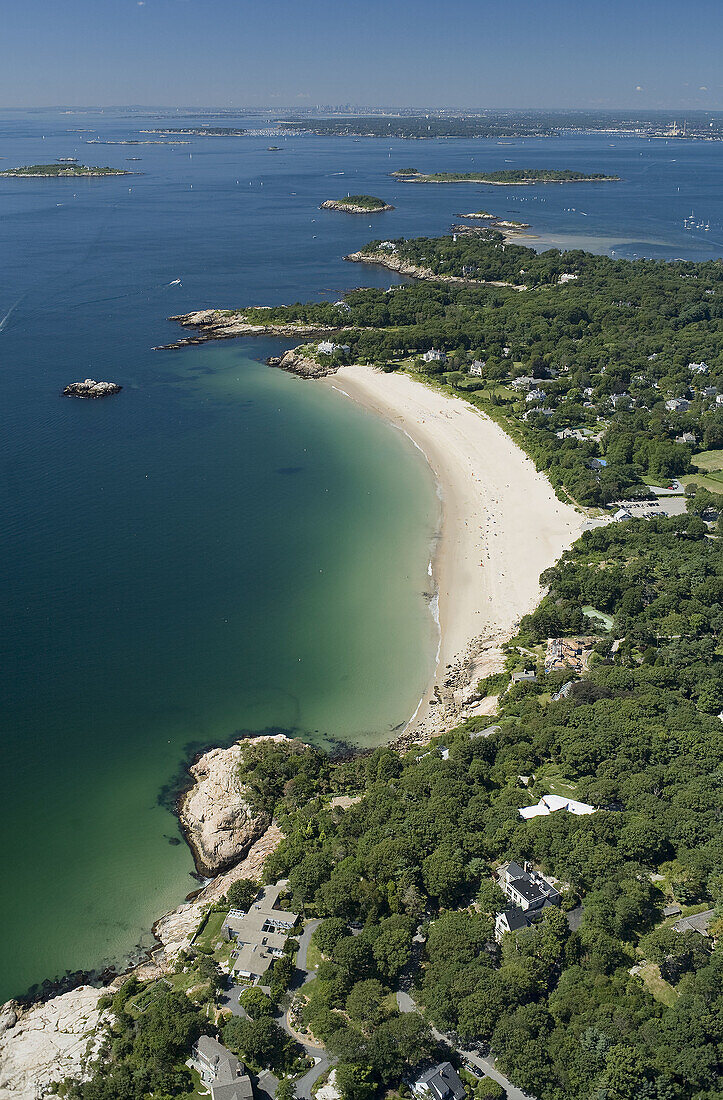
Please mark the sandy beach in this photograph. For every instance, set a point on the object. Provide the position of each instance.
(502, 525)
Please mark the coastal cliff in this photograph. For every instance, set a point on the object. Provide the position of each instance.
(215, 814)
(219, 324)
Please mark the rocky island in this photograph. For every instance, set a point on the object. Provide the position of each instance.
(515, 177)
(90, 389)
(357, 204)
(224, 324)
(61, 169)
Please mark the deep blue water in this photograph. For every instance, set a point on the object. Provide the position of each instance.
(221, 547)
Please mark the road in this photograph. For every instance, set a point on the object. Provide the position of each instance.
(486, 1065)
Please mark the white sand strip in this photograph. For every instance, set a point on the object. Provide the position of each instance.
(502, 525)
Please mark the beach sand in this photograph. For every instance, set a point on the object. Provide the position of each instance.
(502, 525)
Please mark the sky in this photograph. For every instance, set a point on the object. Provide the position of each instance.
(280, 53)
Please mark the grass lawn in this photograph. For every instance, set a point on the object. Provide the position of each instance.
(199, 1090)
(313, 956)
(708, 460)
(658, 987)
(712, 481)
(212, 932)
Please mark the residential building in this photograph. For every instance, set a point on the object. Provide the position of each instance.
(260, 935)
(530, 893)
(698, 922)
(524, 677)
(621, 515)
(686, 437)
(719, 399)
(435, 355)
(568, 653)
(220, 1070)
(440, 1082)
(551, 803)
(326, 347)
(478, 365)
(698, 368)
(567, 277)
(677, 404)
(597, 463)
(535, 395)
(341, 304)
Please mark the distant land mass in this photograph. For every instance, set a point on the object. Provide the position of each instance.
(515, 176)
(55, 170)
(200, 131)
(357, 204)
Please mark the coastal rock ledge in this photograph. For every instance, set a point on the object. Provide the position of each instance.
(295, 362)
(215, 814)
(91, 388)
(47, 1042)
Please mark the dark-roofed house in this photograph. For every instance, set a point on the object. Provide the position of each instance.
(530, 893)
(698, 922)
(442, 1082)
(221, 1070)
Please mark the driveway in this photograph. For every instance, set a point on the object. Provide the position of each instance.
(486, 1065)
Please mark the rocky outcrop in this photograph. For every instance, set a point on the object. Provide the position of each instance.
(219, 324)
(47, 1042)
(91, 388)
(176, 930)
(296, 362)
(215, 813)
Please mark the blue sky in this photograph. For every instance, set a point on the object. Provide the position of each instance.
(518, 53)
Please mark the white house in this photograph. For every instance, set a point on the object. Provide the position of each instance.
(435, 355)
(535, 395)
(719, 399)
(478, 365)
(341, 304)
(698, 368)
(567, 277)
(326, 347)
(677, 404)
(551, 803)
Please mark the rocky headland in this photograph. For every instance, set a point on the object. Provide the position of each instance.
(91, 389)
(220, 324)
(296, 362)
(385, 258)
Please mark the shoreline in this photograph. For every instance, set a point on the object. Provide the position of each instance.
(501, 526)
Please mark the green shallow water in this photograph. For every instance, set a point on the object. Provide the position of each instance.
(254, 561)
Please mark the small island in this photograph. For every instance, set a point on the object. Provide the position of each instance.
(91, 389)
(357, 204)
(61, 169)
(200, 131)
(515, 177)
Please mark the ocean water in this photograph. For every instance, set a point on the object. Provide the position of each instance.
(222, 547)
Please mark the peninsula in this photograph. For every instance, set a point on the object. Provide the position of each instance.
(61, 170)
(357, 204)
(515, 177)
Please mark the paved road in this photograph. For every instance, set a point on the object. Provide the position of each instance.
(487, 1065)
(319, 1054)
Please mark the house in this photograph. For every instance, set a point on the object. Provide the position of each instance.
(260, 935)
(698, 922)
(597, 463)
(621, 515)
(672, 911)
(478, 365)
(326, 347)
(535, 395)
(563, 692)
(719, 399)
(341, 304)
(441, 1082)
(567, 277)
(529, 892)
(620, 399)
(390, 245)
(220, 1070)
(525, 887)
(568, 653)
(677, 404)
(708, 391)
(686, 437)
(524, 677)
(435, 355)
(551, 803)
(698, 368)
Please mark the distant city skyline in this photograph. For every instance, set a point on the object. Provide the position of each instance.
(644, 54)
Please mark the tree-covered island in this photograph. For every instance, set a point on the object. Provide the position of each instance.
(62, 170)
(357, 204)
(508, 176)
